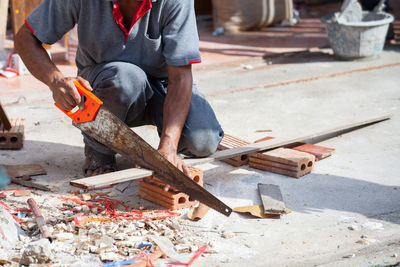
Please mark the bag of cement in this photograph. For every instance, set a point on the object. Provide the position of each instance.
(242, 15)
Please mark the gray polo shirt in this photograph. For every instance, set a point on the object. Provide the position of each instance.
(162, 33)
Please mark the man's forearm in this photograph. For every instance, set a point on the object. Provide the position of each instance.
(176, 106)
(35, 57)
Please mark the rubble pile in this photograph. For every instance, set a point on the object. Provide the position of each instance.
(84, 232)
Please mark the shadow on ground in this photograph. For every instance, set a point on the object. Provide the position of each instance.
(312, 193)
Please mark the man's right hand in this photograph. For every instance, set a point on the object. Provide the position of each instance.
(65, 93)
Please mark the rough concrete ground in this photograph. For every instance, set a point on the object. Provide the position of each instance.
(358, 187)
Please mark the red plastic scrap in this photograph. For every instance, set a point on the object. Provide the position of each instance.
(108, 206)
(11, 210)
(200, 251)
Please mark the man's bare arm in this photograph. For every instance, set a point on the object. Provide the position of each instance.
(176, 108)
(40, 65)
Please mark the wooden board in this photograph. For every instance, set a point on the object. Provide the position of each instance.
(111, 178)
(278, 142)
(272, 199)
(270, 144)
(31, 184)
(5, 124)
(16, 171)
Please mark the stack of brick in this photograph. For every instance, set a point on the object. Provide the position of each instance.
(155, 190)
(229, 142)
(284, 161)
(13, 138)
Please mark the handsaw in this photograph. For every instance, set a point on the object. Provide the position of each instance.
(100, 124)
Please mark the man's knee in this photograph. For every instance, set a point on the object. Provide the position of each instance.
(202, 143)
(121, 84)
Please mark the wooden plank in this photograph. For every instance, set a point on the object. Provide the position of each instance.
(135, 173)
(4, 121)
(31, 184)
(272, 199)
(278, 142)
(24, 170)
(111, 178)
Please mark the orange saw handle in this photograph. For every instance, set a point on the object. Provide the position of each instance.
(91, 105)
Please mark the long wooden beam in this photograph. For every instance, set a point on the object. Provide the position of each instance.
(135, 173)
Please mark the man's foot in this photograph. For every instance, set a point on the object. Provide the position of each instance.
(97, 163)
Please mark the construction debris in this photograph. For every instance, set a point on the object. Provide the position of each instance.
(22, 193)
(10, 230)
(197, 213)
(41, 222)
(257, 211)
(38, 252)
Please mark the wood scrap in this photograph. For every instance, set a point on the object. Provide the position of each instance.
(5, 123)
(30, 184)
(197, 213)
(16, 171)
(111, 178)
(272, 199)
(257, 211)
(22, 193)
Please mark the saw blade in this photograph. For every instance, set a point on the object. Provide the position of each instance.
(109, 130)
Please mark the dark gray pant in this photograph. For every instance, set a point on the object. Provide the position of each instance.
(138, 99)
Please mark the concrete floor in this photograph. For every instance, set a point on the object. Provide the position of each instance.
(290, 95)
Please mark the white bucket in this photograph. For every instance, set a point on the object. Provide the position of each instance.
(363, 39)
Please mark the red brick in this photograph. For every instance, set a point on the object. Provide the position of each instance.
(22, 193)
(155, 190)
(283, 161)
(14, 138)
(319, 152)
(229, 142)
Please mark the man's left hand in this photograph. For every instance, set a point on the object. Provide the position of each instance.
(177, 161)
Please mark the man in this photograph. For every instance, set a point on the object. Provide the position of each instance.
(137, 56)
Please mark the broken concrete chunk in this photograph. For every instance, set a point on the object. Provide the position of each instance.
(104, 242)
(10, 228)
(227, 235)
(64, 236)
(37, 252)
(110, 256)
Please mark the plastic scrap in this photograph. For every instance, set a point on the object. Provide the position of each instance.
(108, 207)
(134, 259)
(11, 210)
(200, 251)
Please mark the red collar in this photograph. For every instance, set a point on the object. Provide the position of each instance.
(144, 7)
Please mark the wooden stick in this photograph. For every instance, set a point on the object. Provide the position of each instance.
(277, 142)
